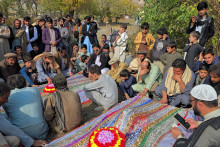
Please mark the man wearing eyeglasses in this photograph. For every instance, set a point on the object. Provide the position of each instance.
(207, 133)
(99, 58)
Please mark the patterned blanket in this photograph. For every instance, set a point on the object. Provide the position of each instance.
(143, 121)
(75, 84)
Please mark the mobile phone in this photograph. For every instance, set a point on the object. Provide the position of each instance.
(182, 121)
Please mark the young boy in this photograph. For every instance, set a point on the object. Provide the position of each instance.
(84, 70)
(202, 77)
(144, 40)
(120, 43)
(214, 73)
(127, 81)
(171, 55)
(160, 47)
(193, 49)
(79, 63)
(27, 72)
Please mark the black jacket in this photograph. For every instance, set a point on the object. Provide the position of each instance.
(207, 32)
(31, 33)
(91, 35)
(104, 59)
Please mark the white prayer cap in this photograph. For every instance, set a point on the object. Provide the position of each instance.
(204, 92)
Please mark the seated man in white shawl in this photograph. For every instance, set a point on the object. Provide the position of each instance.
(176, 85)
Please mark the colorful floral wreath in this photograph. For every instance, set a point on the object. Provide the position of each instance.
(107, 137)
(49, 89)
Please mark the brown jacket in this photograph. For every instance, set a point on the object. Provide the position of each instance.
(68, 64)
(115, 73)
(72, 111)
(7, 70)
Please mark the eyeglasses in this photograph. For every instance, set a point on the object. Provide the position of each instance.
(96, 50)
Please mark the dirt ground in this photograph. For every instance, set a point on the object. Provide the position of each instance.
(88, 111)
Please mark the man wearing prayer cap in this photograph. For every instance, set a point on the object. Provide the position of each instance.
(116, 68)
(9, 66)
(207, 133)
(47, 68)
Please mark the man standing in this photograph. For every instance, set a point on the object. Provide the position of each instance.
(31, 32)
(51, 37)
(4, 35)
(64, 34)
(95, 27)
(9, 66)
(204, 102)
(40, 26)
(202, 23)
(20, 36)
(103, 90)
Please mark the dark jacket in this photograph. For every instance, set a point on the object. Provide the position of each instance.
(7, 70)
(197, 63)
(207, 79)
(86, 33)
(33, 53)
(104, 59)
(31, 32)
(193, 51)
(207, 32)
(216, 86)
(159, 49)
(39, 32)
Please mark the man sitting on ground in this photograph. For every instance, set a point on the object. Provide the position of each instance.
(148, 76)
(9, 129)
(135, 63)
(176, 85)
(47, 68)
(116, 68)
(63, 59)
(63, 108)
(9, 66)
(214, 72)
(207, 133)
(99, 58)
(209, 59)
(103, 90)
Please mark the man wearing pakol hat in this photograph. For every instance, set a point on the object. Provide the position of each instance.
(116, 68)
(148, 77)
(47, 67)
(9, 66)
(135, 63)
(207, 133)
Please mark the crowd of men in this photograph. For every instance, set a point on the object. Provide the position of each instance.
(50, 50)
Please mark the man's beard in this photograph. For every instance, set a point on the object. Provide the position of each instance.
(196, 111)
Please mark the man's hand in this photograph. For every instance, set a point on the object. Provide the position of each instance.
(73, 59)
(81, 72)
(164, 36)
(175, 132)
(39, 143)
(101, 44)
(139, 61)
(143, 93)
(200, 56)
(194, 18)
(193, 124)
(5, 31)
(143, 72)
(127, 96)
(34, 85)
(49, 80)
(144, 42)
(177, 78)
(118, 37)
(164, 100)
(30, 70)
